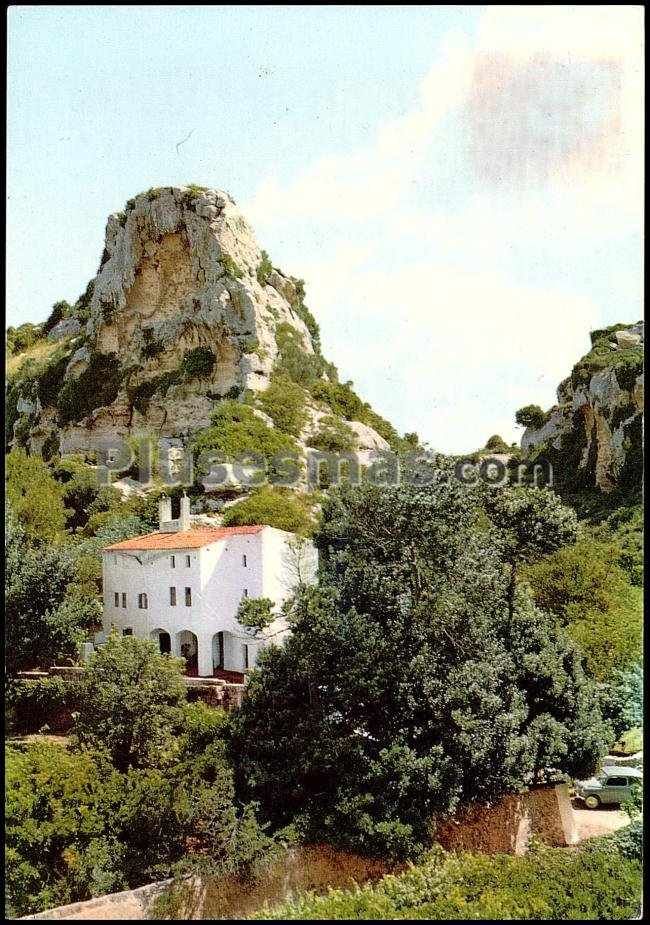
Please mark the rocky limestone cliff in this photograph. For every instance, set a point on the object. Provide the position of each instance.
(185, 310)
(593, 436)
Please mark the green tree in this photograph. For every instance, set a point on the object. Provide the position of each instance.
(23, 337)
(333, 436)
(80, 488)
(34, 495)
(39, 624)
(53, 814)
(496, 444)
(405, 688)
(587, 589)
(131, 700)
(255, 613)
(284, 510)
(60, 310)
(530, 416)
(237, 432)
(622, 699)
(77, 828)
(532, 522)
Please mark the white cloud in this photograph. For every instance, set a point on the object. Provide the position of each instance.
(364, 183)
(448, 353)
(419, 302)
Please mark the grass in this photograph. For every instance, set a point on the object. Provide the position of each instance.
(37, 353)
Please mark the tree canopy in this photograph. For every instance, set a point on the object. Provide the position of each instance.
(144, 790)
(407, 686)
(586, 588)
(34, 495)
(40, 624)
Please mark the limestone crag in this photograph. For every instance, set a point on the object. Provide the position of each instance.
(184, 312)
(593, 436)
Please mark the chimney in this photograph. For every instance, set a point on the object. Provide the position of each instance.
(185, 513)
(164, 513)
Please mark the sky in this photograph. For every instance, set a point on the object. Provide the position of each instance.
(461, 188)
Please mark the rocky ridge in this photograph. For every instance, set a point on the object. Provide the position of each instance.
(593, 436)
(185, 311)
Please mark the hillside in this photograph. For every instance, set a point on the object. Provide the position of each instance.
(186, 319)
(593, 436)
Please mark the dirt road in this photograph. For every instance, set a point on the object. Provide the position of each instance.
(592, 822)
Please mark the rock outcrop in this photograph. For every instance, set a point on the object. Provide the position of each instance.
(185, 311)
(593, 436)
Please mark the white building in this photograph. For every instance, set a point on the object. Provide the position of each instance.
(182, 587)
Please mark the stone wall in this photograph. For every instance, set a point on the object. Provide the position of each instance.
(125, 906)
(508, 824)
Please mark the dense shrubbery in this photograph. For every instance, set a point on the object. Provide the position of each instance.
(236, 431)
(304, 368)
(284, 402)
(586, 589)
(602, 881)
(627, 363)
(23, 337)
(198, 363)
(282, 509)
(340, 397)
(622, 699)
(35, 703)
(149, 794)
(332, 436)
(95, 387)
(34, 495)
(624, 526)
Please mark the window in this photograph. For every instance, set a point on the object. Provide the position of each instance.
(188, 597)
(188, 561)
(243, 560)
(123, 599)
(617, 782)
(172, 561)
(245, 648)
(117, 599)
(127, 631)
(143, 602)
(172, 596)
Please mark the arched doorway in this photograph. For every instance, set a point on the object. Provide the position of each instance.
(163, 639)
(218, 651)
(188, 648)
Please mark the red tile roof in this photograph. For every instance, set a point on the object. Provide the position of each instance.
(186, 539)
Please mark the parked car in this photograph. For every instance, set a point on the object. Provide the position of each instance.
(611, 785)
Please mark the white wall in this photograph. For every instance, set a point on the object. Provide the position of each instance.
(217, 577)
